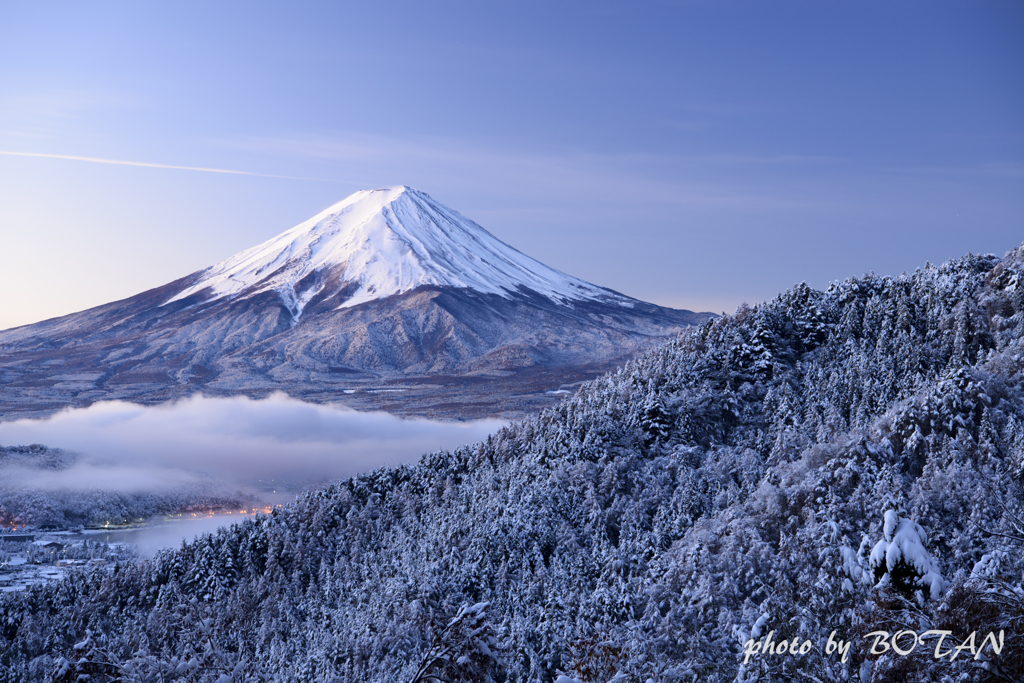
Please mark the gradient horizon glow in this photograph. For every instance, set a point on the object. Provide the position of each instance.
(693, 154)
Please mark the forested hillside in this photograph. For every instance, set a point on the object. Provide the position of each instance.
(843, 461)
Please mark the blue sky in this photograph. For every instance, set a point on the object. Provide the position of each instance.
(694, 154)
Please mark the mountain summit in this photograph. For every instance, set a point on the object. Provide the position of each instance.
(378, 243)
(387, 291)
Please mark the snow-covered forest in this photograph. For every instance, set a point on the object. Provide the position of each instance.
(827, 464)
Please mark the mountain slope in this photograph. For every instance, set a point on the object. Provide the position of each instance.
(765, 472)
(379, 243)
(384, 287)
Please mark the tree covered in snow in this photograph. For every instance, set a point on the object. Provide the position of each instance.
(848, 460)
(901, 559)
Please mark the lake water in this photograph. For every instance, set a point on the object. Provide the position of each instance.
(164, 534)
(169, 533)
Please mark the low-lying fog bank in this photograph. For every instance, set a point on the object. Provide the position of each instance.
(118, 461)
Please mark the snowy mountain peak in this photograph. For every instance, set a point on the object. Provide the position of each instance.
(377, 243)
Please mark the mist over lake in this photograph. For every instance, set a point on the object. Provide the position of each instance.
(276, 443)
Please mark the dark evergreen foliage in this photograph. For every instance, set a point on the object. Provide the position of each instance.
(728, 483)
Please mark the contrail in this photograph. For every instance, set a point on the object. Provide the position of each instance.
(118, 162)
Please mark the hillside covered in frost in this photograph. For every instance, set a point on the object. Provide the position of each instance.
(843, 461)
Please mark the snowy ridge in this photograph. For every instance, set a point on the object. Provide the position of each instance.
(690, 504)
(386, 242)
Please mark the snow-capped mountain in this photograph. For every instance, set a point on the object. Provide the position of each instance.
(378, 243)
(387, 288)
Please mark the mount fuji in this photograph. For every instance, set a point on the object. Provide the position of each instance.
(387, 299)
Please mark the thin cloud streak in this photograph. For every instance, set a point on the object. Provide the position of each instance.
(587, 176)
(145, 164)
